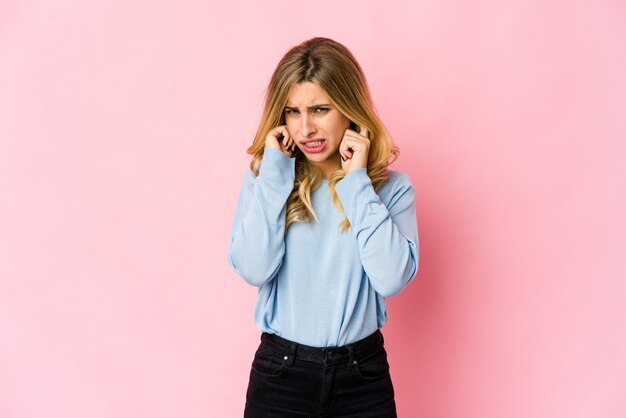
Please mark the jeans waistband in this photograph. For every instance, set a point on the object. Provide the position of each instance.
(323, 355)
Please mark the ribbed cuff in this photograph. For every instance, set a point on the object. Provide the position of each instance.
(277, 167)
(357, 195)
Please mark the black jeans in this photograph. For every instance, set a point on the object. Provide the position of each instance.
(296, 381)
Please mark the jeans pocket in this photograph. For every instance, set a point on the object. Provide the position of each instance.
(373, 366)
(267, 362)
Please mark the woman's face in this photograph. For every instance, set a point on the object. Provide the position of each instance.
(316, 126)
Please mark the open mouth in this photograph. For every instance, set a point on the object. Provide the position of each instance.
(314, 146)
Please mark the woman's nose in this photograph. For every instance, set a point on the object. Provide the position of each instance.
(306, 126)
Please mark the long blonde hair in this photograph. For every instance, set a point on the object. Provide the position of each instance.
(333, 68)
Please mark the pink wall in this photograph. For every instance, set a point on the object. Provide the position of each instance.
(123, 129)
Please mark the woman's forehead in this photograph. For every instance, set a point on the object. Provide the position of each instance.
(307, 94)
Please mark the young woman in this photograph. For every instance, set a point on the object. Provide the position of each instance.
(326, 232)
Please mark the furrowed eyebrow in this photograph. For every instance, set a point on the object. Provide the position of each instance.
(310, 107)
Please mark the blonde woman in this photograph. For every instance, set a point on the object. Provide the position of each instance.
(327, 232)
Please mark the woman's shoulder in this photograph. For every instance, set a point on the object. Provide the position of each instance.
(397, 180)
(398, 185)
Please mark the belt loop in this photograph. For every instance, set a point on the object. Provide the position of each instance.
(291, 357)
(351, 359)
(382, 339)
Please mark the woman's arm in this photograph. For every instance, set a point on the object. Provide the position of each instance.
(386, 234)
(257, 237)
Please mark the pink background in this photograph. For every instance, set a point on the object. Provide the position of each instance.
(123, 130)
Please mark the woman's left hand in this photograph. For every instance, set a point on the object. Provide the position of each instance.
(354, 149)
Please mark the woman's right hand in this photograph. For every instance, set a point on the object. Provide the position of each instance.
(286, 144)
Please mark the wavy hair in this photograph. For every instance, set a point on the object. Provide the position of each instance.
(333, 68)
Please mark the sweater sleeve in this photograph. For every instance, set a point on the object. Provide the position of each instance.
(257, 243)
(386, 235)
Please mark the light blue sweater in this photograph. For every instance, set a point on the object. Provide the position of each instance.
(317, 285)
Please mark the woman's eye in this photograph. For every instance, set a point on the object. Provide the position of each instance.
(295, 111)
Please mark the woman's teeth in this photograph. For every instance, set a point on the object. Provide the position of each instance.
(313, 144)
